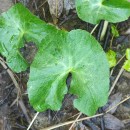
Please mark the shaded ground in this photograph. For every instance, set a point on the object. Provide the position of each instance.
(17, 115)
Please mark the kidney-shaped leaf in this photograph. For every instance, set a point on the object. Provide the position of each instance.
(18, 25)
(93, 11)
(78, 53)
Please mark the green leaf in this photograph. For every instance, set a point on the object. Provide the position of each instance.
(111, 56)
(75, 52)
(18, 26)
(126, 65)
(93, 11)
(128, 53)
(114, 31)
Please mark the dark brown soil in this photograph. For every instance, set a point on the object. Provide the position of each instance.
(17, 115)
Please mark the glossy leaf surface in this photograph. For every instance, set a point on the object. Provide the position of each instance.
(18, 26)
(78, 53)
(93, 11)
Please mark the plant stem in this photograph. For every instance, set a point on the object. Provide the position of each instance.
(32, 121)
(85, 118)
(104, 30)
(94, 29)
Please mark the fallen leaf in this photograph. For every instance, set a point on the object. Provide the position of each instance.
(69, 4)
(113, 123)
(79, 126)
(114, 100)
(56, 8)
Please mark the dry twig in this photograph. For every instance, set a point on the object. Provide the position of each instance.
(85, 118)
(19, 99)
(117, 78)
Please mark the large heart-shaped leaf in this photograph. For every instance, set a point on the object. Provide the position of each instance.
(18, 25)
(93, 11)
(78, 53)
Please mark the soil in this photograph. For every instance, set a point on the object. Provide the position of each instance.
(16, 115)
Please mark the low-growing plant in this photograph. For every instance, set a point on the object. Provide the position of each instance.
(59, 54)
(126, 65)
(93, 11)
(111, 56)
